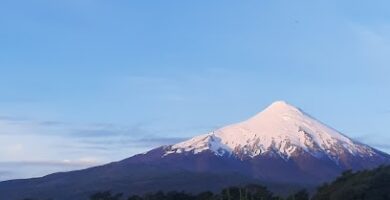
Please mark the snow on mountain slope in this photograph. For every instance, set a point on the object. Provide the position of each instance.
(281, 145)
(282, 130)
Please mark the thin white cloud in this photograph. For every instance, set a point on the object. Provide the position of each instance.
(34, 148)
(35, 168)
(379, 141)
(82, 162)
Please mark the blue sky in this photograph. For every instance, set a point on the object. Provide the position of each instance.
(85, 82)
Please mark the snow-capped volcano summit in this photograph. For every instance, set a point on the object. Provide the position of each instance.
(281, 130)
(280, 147)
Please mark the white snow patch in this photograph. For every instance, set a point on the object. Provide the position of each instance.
(282, 129)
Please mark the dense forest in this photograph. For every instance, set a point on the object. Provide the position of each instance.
(362, 185)
(250, 192)
(368, 184)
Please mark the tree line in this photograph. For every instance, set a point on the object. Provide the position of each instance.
(249, 192)
(362, 185)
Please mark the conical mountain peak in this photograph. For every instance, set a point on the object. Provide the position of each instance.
(278, 109)
(280, 129)
(280, 146)
(282, 106)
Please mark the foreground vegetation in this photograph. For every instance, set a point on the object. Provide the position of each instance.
(232, 193)
(363, 185)
(368, 184)
(250, 192)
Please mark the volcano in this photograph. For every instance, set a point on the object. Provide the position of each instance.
(282, 147)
